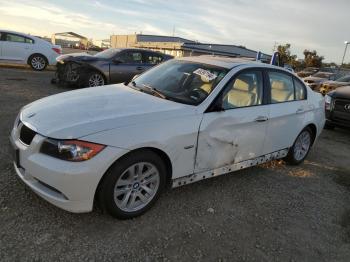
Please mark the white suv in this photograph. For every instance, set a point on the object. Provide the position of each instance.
(26, 49)
(180, 122)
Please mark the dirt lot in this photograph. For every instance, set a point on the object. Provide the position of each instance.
(271, 212)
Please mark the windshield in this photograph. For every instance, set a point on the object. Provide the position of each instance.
(108, 53)
(344, 79)
(182, 81)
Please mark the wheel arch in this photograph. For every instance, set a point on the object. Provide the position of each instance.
(89, 68)
(164, 156)
(313, 128)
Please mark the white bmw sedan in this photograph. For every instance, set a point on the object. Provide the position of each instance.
(21, 48)
(180, 122)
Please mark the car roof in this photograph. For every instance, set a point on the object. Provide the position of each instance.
(19, 33)
(229, 62)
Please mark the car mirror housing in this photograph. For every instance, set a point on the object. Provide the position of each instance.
(216, 106)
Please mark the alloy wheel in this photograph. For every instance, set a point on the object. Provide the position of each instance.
(302, 145)
(96, 80)
(38, 63)
(136, 187)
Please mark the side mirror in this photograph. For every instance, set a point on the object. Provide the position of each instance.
(131, 80)
(216, 106)
(134, 77)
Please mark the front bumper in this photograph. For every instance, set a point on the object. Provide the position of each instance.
(68, 185)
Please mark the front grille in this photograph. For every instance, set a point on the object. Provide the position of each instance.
(26, 135)
(339, 105)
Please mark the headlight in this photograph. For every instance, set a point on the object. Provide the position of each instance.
(328, 102)
(70, 150)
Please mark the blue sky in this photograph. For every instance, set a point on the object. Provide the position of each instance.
(313, 24)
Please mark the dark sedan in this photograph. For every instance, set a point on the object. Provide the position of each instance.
(338, 108)
(328, 86)
(106, 67)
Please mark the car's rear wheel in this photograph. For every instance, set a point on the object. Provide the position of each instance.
(95, 79)
(132, 185)
(38, 62)
(301, 147)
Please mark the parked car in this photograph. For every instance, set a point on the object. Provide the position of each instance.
(338, 108)
(317, 79)
(27, 49)
(180, 122)
(328, 86)
(106, 67)
(308, 72)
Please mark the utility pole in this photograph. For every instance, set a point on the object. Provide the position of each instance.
(275, 46)
(346, 46)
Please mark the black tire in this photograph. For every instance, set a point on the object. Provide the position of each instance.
(89, 79)
(329, 126)
(290, 158)
(38, 62)
(105, 194)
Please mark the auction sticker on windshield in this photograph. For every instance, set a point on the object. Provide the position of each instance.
(205, 73)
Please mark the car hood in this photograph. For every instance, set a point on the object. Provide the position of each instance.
(341, 92)
(83, 112)
(77, 57)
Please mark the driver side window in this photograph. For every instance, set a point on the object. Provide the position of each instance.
(131, 57)
(244, 90)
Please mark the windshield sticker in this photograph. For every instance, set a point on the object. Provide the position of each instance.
(205, 73)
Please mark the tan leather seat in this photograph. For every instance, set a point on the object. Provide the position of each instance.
(207, 85)
(280, 92)
(243, 92)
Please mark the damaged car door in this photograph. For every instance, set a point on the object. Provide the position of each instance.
(125, 65)
(234, 127)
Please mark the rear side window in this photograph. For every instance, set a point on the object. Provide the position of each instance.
(29, 41)
(282, 87)
(133, 57)
(300, 91)
(15, 38)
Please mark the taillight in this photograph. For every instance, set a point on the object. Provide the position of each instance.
(57, 50)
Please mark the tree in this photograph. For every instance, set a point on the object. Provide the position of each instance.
(312, 59)
(286, 56)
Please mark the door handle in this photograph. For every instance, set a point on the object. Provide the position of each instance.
(139, 68)
(300, 110)
(261, 119)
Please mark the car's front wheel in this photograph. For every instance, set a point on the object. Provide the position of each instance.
(95, 79)
(132, 185)
(38, 62)
(301, 147)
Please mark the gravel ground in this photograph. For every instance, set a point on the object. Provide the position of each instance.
(272, 212)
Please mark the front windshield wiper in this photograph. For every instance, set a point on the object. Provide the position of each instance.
(153, 91)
